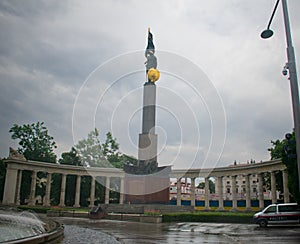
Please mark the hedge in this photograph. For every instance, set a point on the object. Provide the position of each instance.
(214, 217)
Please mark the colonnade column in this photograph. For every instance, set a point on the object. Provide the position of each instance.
(220, 193)
(63, 190)
(207, 193)
(32, 188)
(77, 192)
(92, 193)
(18, 190)
(48, 190)
(286, 193)
(9, 194)
(234, 200)
(193, 192)
(273, 187)
(248, 195)
(179, 192)
(107, 189)
(260, 191)
(121, 201)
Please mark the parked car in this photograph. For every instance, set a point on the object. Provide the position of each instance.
(284, 213)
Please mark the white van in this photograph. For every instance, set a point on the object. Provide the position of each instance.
(285, 213)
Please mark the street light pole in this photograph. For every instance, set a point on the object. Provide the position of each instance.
(291, 66)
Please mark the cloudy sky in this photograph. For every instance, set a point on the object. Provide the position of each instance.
(77, 65)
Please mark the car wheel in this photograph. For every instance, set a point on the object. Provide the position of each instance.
(263, 223)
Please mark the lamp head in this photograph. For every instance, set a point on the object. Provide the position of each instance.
(266, 34)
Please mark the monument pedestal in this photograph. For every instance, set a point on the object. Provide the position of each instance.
(146, 182)
(150, 189)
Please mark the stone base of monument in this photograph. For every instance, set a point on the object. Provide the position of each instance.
(148, 189)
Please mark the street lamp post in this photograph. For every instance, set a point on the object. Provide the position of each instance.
(291, 66)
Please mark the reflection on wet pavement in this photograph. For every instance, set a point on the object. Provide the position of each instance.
(108, 231)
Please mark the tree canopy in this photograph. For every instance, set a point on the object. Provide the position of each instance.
(90, 152)
(286, 150)
(70, 158)
(35, 142)
(94, 154)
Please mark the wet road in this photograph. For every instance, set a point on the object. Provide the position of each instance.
(107, 231)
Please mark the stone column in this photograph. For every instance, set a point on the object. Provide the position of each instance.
(248, 193)
(260, 191)
(220, 193)
(32, 188)
(18, 190)
(10, 186)
(179, 192)
(92, 193)
(207, 193)
(286, 193)
(63, 190)
(121, 191)
(273, 187)
(48, 190)
(77, 192)
(193, 192)
(107, 189)
(148, 139)
(234, 199)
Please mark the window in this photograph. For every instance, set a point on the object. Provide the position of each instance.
(288, 208)
(244, 182)
(237, 190)
(254, 189)
(254, 182)
(271, 209)
(228, 190)
(228, 182)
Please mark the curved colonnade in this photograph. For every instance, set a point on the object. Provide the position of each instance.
(233, 172)
(15, 167)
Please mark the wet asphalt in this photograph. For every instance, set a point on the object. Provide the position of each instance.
(79, 230)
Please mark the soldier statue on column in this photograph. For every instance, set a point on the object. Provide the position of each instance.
(151, 63)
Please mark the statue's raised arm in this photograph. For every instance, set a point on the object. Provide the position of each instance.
(150, 46)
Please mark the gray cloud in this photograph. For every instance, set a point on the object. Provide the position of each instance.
(49, 48)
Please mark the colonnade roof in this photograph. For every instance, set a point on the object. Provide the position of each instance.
(232, 170)
(63, 168)
(239, 169)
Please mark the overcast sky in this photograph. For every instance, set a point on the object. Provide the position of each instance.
(77, 65)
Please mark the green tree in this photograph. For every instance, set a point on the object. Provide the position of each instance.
(278, 150)
(35, 142)
(94, 154)
(111, 152)
(211, 186)
(90, 151)
(70, 158)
